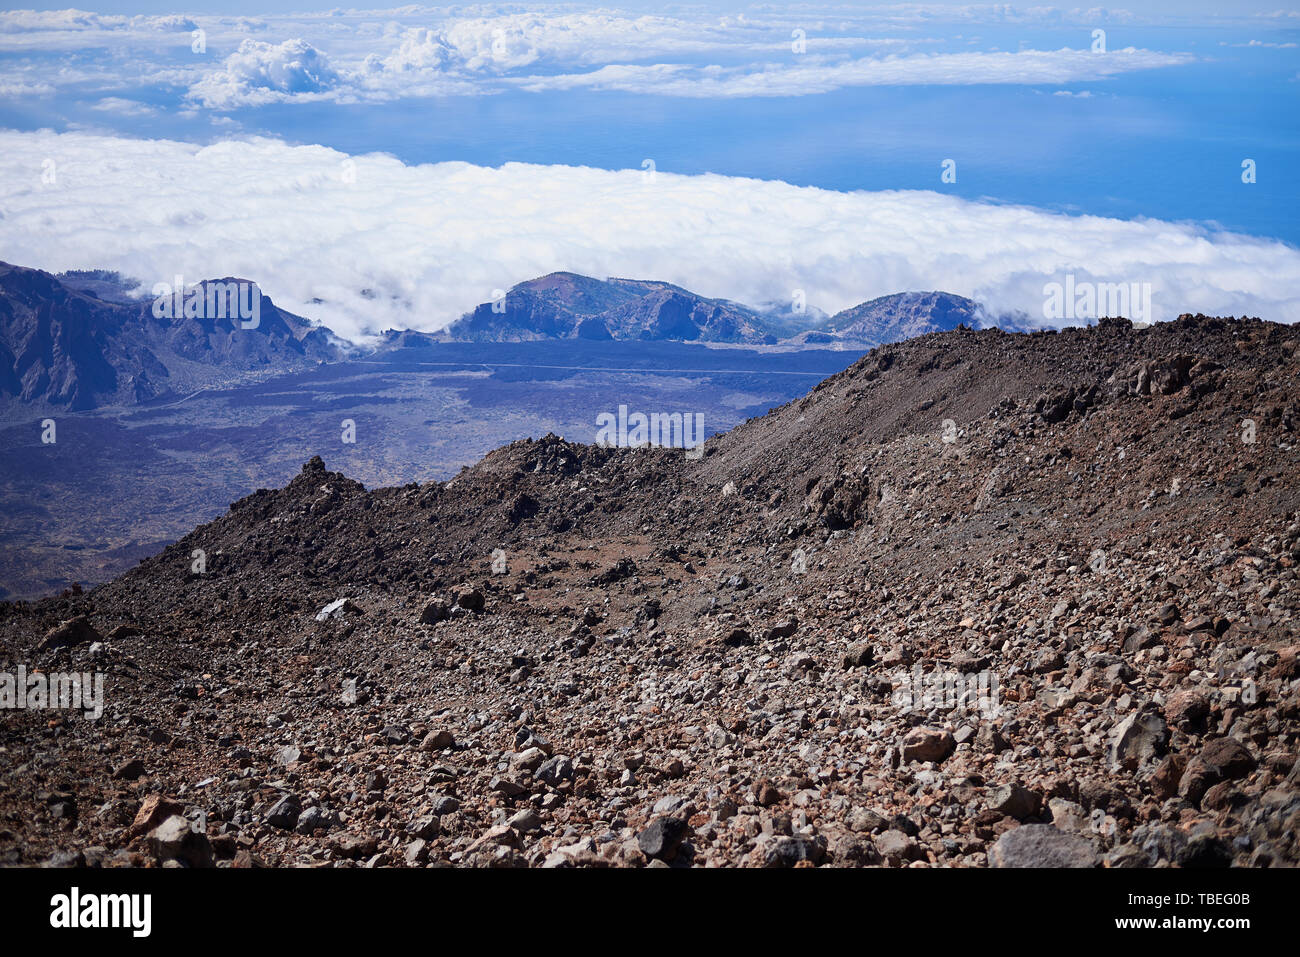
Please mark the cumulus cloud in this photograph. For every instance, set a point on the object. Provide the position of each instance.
(522, 39)
(260, 72)
(467, 55)
(420, 49)
(462, 56)
(429, 242)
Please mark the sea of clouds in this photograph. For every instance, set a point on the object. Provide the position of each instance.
(366, 243)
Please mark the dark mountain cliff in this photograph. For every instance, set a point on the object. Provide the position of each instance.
(65, 347)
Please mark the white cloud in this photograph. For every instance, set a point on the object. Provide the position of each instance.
(13, 88)
(428, 63)
(260, 72)
(34, 31)
(80, 21)
(1260, 43)
(377, 55)
(1023, 67)
(509, 42)
(123, 107)
(420, 49)
(432, 241)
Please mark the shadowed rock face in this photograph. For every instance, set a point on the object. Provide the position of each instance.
(570, 655)
(64, 347)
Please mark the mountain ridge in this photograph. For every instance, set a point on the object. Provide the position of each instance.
(81, 340)
(570, 305)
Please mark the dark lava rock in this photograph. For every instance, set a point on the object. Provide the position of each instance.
(662, 837)
(791, 851)
(1015, 801)
(284, 813)
(858, 656)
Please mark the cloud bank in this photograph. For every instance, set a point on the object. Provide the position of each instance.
(227, 63)
(365, 243)
(941, 69)
(428, 62)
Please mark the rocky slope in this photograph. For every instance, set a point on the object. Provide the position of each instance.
(570, 655)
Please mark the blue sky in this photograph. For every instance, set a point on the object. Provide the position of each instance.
(859, 105)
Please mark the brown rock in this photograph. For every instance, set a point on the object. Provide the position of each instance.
(74, 631)
(437, 740)
(1164, 782)
(1228, 757)
(153, 812)
(1186, 708)
(767, 794)
(356, 845)
(928, 744)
